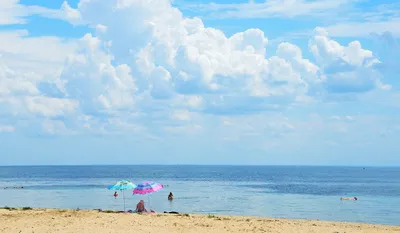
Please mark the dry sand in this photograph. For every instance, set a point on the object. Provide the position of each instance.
(49, 220)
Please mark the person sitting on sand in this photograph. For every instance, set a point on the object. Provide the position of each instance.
(115, 195)
(170, 196)
(349, 199)
(140, 207)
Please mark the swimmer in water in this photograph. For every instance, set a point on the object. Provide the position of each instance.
(170, 196)
(348, 199)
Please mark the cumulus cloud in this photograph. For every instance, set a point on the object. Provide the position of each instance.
(172, 55)
(20, 96)
(346, 68)
(90, 78)
(42, 57)
(29, 79)
(162, 64)
(70, 14)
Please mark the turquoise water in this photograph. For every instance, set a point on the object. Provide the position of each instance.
(271, 191)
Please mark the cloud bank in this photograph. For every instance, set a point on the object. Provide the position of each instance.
(144, 62)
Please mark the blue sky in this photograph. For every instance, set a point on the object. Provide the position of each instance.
(196, 82)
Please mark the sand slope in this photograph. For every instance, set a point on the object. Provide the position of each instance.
(51, 221)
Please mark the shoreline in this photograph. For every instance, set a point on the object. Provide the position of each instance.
(68, 220)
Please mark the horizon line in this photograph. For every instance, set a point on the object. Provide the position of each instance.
(211, 165)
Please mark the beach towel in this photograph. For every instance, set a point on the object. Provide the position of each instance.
(171, 212)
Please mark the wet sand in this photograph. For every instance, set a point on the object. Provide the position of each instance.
(53, 220)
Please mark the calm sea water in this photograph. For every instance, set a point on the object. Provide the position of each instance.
(272, 191)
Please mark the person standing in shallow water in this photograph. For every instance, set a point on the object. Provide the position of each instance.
(170, 196)
(115, 195)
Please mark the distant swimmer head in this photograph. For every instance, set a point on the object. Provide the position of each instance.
(355, 198)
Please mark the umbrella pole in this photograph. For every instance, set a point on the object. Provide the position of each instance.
(148, 197)
(123, 194)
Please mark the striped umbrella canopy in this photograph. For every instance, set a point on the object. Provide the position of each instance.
(122, 185)
(147, 187)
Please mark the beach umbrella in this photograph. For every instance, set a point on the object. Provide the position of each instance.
(122, 185)
(147, 187)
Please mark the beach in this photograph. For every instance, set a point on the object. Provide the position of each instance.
(58, 220)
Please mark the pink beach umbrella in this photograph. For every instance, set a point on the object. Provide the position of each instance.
(147, 187)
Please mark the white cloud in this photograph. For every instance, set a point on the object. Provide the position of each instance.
(255, 127)
(269, 8)
(101, 28)
(357, 18)
(186, 129)
(7, 129)
(302, 131)
(328, 51)
(163, 65)
(342, 118)
(346, 68)
(12, 12)
(25, 106)
(29, 70)
(193, 101)
(38, 55)
(90, 77)
(182, 115)
(70, 14)
(187, 59)
(50, 107)
(20, 96)
(364, 29)
(13, 84)
(55, 127)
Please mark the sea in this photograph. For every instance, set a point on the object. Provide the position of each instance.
(297, 192)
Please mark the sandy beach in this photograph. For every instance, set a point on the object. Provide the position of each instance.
(51, 220)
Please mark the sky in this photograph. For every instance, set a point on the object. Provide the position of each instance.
(274, 82)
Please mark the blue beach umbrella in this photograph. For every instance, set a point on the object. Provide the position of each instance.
(122, 185)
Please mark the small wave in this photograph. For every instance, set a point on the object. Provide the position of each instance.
(320, 189)
(192, 198)
(60, 186)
